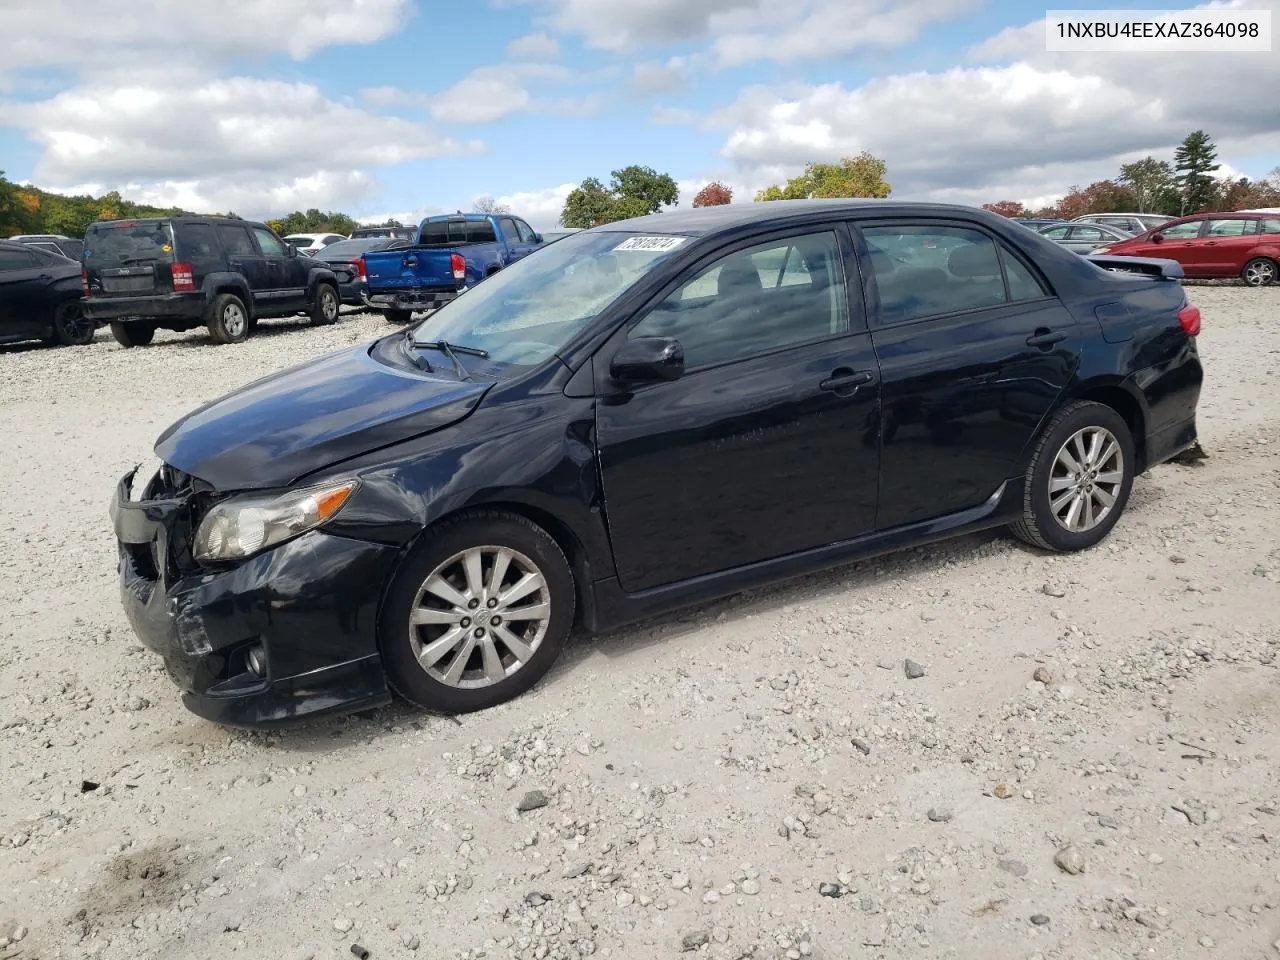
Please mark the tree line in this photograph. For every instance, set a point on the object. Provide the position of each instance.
(1176, 187)
(1183, 184)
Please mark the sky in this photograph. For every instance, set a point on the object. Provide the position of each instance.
(405, 108)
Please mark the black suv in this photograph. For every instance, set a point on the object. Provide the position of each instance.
(178, 273)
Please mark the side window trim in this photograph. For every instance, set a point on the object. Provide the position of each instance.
(1003, 250)
(854, 304)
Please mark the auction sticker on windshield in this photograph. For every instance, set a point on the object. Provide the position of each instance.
(651, 244)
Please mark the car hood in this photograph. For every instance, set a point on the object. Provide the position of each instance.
(277, 429)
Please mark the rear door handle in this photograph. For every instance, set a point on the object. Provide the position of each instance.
(846, 380)
(1044, 337)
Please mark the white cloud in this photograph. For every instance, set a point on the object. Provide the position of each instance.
(536, 46)
(542, 208)
(488, 94)
(657, 76)
(256, 146)
(1029, 127)
(98, 33)
(748, 30)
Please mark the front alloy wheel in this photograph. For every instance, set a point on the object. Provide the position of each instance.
(479, 617)
(477, 613)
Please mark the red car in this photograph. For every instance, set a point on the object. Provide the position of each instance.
(1213, 246)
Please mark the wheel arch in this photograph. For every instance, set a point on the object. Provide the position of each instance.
(556, 528)
(1125, 399)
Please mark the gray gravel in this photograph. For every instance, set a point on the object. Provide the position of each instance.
(707, 776)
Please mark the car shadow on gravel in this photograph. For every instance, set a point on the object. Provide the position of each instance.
(854, 580)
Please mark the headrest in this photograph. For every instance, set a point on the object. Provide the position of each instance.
(737, 277)
(972, 261)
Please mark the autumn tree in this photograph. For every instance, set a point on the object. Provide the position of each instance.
(1153, 183)
(1195, 161)
(1104, 196)
(1246, 194)
(634, 191)
(1006, 208)
(714, 194)
(860, 176)
(487, 204)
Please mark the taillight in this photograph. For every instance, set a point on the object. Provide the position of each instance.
(183, 277)
(1189, 317)
(362, 274)
(459, 266)
(84, 281)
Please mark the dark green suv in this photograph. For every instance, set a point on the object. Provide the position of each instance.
(179, 273)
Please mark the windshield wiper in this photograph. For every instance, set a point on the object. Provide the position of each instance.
(418, 359)
(451, 350)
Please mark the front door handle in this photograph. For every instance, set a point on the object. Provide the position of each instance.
(845, 381)
(1209, 243)
(409, 262)
(1044, 337)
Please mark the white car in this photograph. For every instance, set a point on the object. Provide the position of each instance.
(309, 244)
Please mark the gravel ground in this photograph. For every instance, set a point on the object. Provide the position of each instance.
(1089, 766)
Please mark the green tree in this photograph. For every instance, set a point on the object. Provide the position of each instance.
(634, 191)
(1152, 182)
(860, 176)
(1196, 160)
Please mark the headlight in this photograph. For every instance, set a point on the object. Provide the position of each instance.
(239, 527)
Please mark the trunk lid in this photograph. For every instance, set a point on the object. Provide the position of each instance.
(405, 269)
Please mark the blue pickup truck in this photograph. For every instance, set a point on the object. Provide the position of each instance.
(452, 253)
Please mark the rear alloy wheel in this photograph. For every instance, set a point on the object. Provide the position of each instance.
(1261, 272)
(71, 327)
(1079, 479)
(478, 614)
(228, 320)
(325, 309)
(135, 333)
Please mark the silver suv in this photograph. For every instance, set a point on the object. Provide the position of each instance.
(1134, 223)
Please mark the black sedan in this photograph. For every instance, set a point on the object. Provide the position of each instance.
(40, 297)
(345, 257)
(647, 414)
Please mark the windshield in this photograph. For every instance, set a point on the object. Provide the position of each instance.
(129, 242)
(525, 313)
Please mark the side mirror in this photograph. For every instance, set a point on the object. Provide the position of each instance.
(648, 359)
(1157, 238)
(537, 238)
(290, 250)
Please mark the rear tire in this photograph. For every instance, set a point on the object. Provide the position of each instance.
(1079, 479)
(327, 304)
(228, 319)
(401, 318)
(136, 333)
(1261, 272)
(506, 646)
(71, 328)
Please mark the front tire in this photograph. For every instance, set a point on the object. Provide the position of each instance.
(71, 328)
(229, 320)
(1260, 272)
(477, 614)
(327, 303)
(1079, 479)
(133, 334)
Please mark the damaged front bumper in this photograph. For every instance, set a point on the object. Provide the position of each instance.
(287, 634)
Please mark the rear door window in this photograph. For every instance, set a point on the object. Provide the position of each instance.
(236, 241)
(124, 243)
(1235, 227)
(509, 231)
(481, 231)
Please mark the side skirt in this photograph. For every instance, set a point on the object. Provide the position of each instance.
(612, 607)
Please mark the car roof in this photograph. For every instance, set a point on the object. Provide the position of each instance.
(705, 221)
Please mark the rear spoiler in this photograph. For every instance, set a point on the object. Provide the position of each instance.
(1149, 266)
